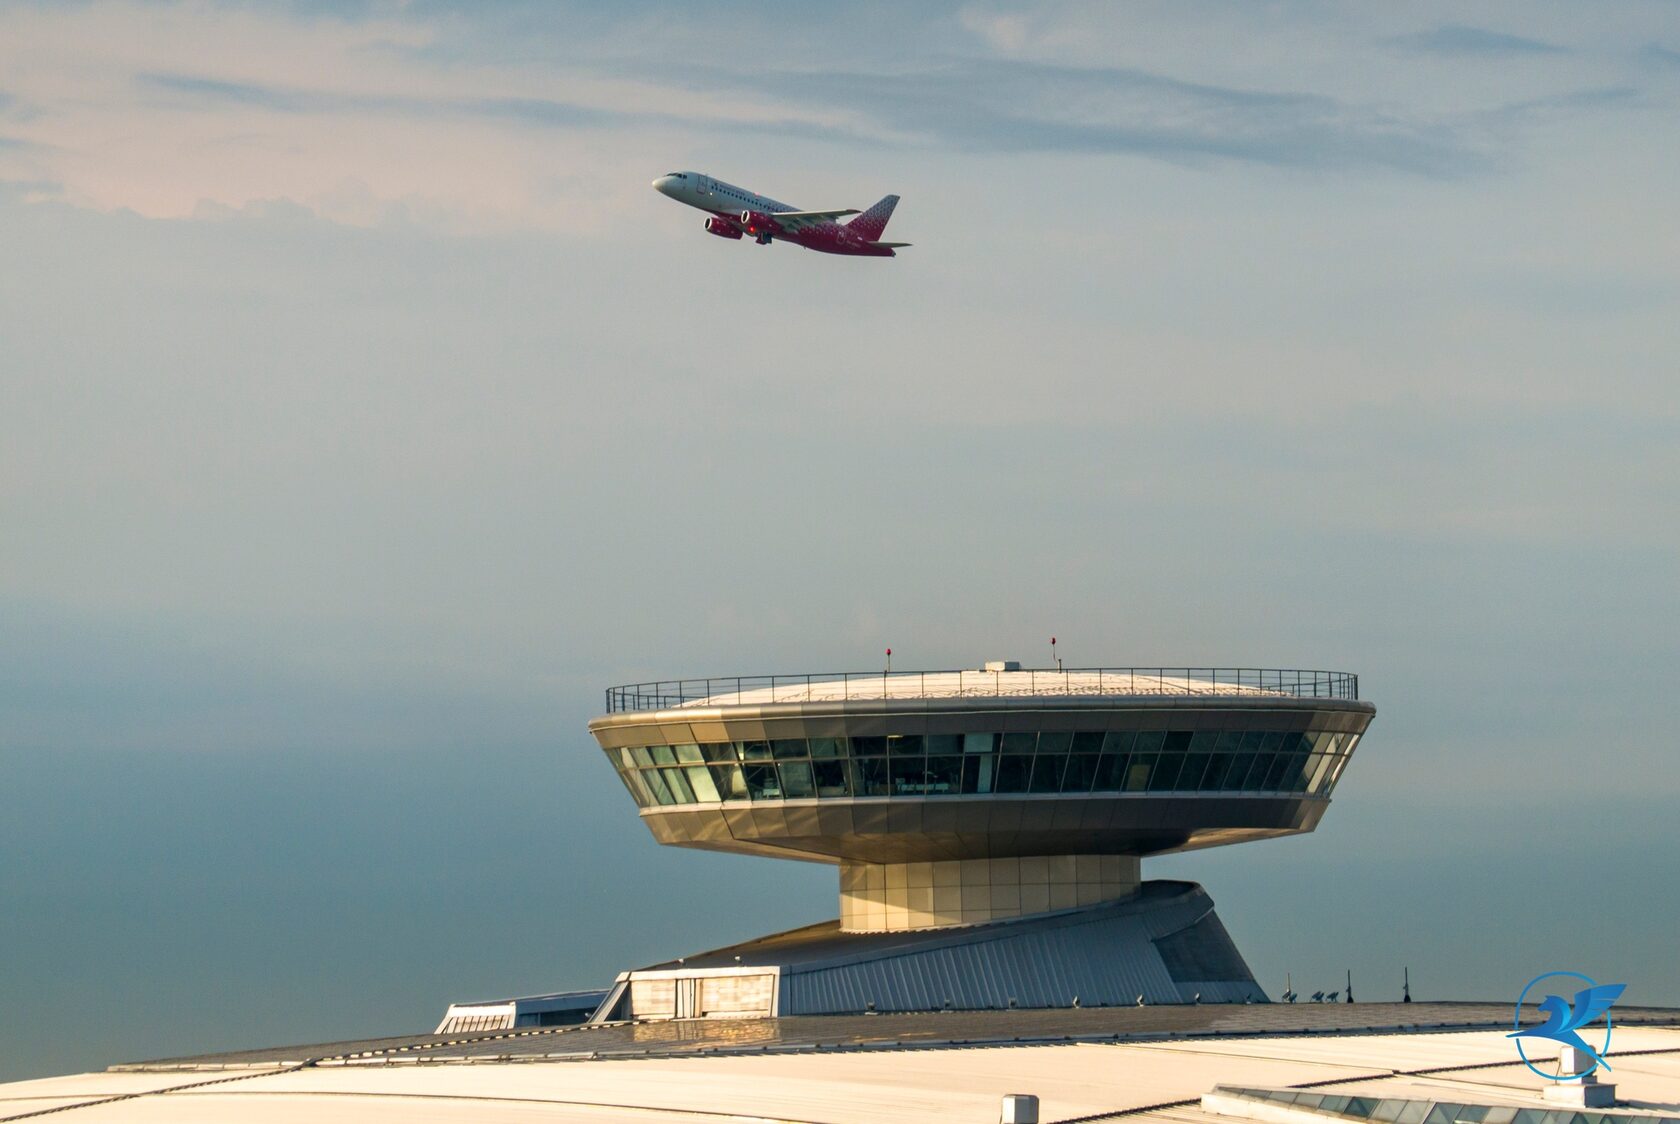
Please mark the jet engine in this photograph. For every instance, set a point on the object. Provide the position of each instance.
(721, 228)
(756, 222)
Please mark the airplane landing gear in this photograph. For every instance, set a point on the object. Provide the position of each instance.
(763, 239)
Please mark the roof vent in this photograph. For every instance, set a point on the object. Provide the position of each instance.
(1002, 665)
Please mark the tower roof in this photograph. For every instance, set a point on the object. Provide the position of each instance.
(1015, 682)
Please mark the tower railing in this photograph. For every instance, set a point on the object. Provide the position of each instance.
(845, 686)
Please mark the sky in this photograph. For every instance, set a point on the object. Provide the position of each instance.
(364, 414)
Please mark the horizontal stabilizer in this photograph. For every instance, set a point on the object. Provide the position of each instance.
(887, 245)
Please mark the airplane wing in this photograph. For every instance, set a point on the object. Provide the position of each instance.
(791, 221)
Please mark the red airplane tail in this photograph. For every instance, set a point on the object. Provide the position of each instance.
(872, 222)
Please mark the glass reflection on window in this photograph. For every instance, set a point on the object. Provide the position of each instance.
(796, 780)
(731, 784)
(1014, 770)
(1165, 776)
(1138, 770)
(656, 785)
(830, 778)
(762, 781)
(1019, 743)
(1155, 761)
(1054, 743)
(871, 776)
(677, 781)
(1047, 773)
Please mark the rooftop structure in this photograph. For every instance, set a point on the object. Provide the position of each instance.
(968, 799)
(997, 679)
(561, 1008)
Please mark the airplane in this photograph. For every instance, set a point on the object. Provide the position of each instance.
(736, 212)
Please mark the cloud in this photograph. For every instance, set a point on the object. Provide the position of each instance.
(999, 105)
(1661, 55)
(515, 118)
(1461, 39)
(538, 112)
(212, 91)
(29, 190)
(1597, 97)
(205, 93)
(961, 104)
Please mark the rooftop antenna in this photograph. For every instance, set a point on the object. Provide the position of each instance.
(1406, 988)
(1350, 985)
(1054, 658)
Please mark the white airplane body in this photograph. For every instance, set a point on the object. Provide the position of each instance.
(736, 212)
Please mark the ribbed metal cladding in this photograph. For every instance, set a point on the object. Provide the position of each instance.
(1105, 955)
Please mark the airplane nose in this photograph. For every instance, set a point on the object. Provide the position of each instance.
(662, 185)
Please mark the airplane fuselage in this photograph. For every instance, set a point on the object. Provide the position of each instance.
(736, 212)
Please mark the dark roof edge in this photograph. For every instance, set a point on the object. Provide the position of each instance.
(885, 945)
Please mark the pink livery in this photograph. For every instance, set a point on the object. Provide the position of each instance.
(737, 212)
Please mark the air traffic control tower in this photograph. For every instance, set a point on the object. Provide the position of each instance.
(988, 826)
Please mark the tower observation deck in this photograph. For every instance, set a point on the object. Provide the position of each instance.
(957, 801)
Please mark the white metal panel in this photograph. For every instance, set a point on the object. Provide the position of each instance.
(653, 999)
(736, 996)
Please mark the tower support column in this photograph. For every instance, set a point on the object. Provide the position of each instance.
(886, 897)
